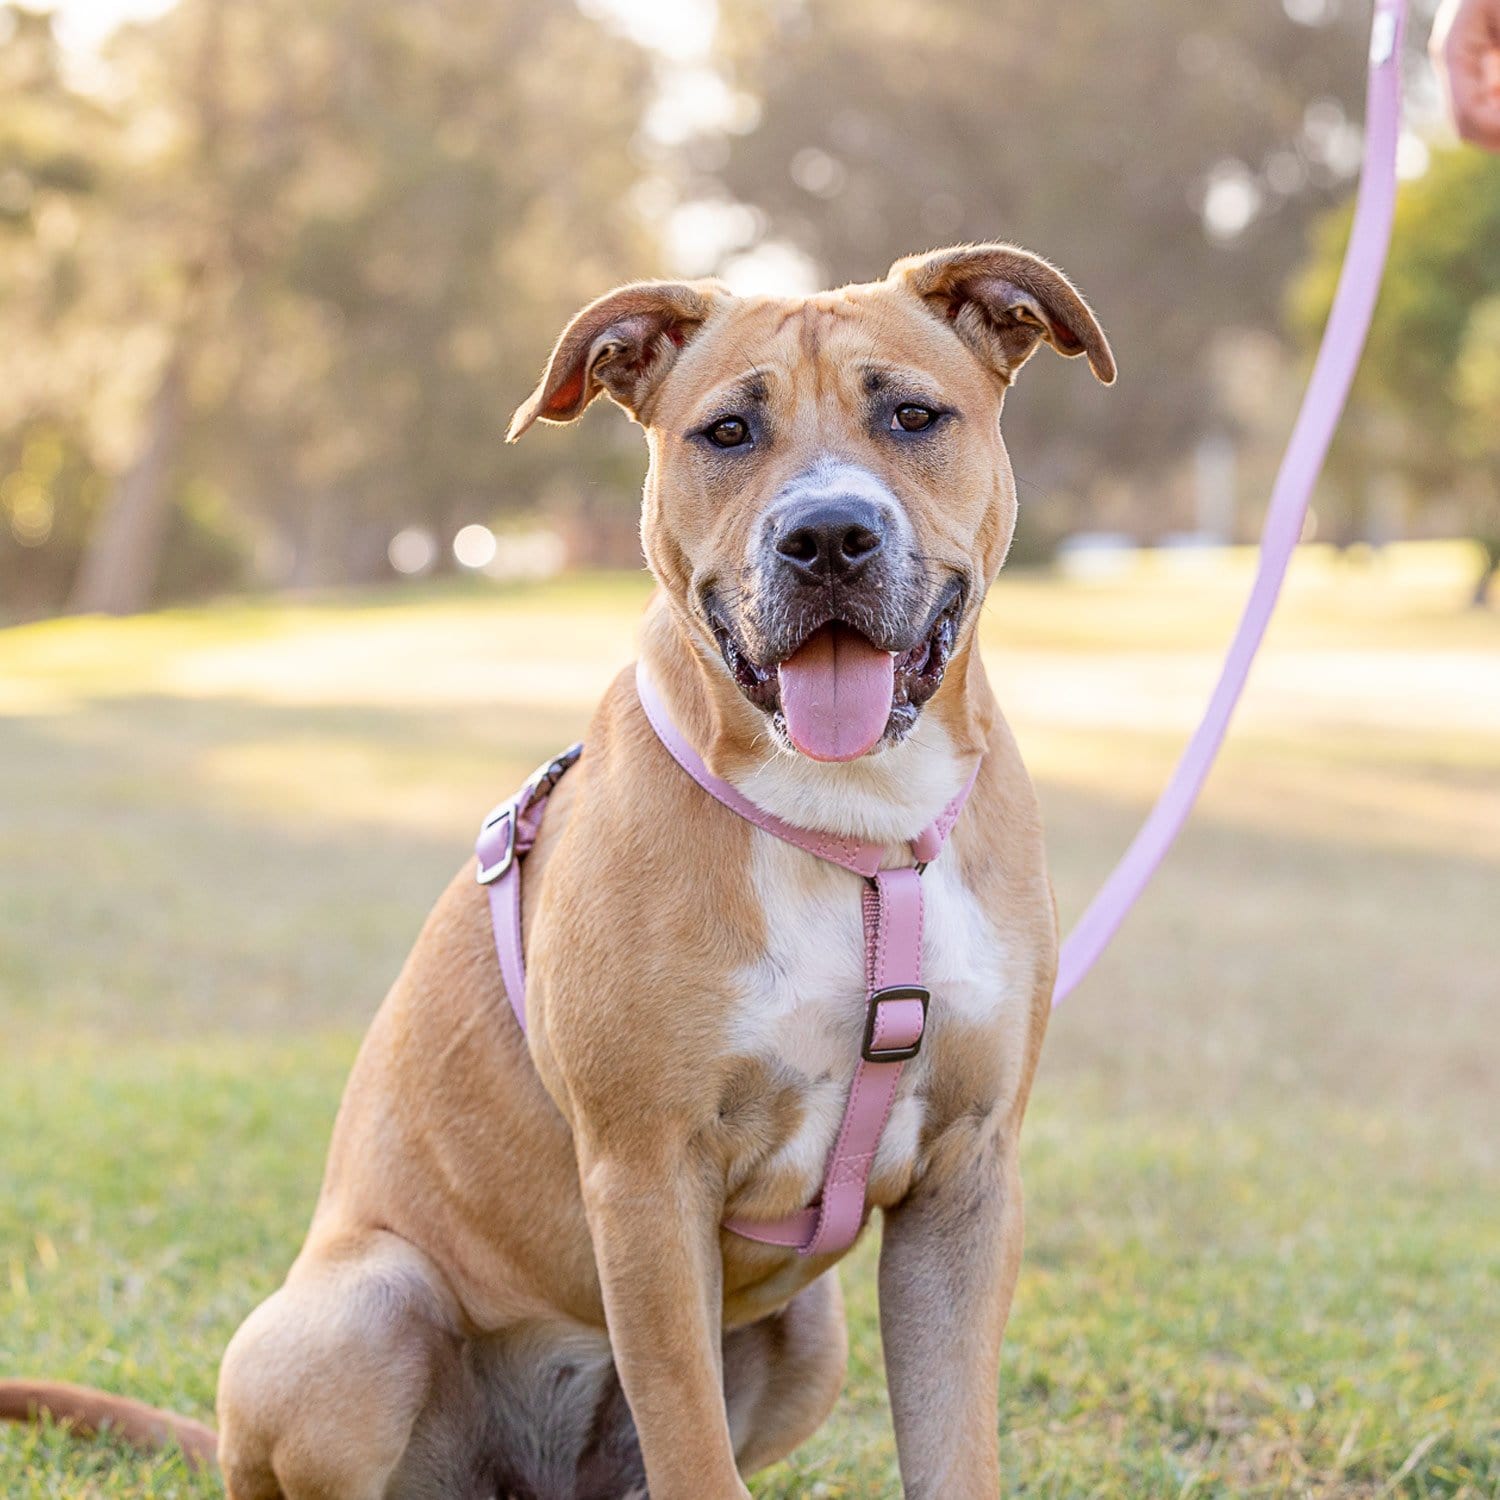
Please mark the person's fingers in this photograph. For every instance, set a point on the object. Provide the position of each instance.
(1466, 49)
(1484, 118)
(1476, 90)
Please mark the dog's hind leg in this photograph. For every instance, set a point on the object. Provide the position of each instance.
(783, 1374)
(321, 1386)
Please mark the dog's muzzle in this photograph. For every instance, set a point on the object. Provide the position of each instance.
(841, 633)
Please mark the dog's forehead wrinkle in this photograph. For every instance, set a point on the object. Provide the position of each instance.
(798, 331)
(813, 355)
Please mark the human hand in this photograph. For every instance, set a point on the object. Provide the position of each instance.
(1466, 50)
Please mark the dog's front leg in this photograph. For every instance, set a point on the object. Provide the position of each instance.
(948, 1265)
(654, 1224)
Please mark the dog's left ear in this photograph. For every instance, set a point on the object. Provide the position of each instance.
(1002, 302)
(624, 343)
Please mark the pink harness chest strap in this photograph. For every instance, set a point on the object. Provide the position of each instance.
(896, 1000)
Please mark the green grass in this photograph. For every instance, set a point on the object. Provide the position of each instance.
(1264, 1227)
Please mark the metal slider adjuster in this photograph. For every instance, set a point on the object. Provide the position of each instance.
(509, 813)
(544, 780)
(869, 1051)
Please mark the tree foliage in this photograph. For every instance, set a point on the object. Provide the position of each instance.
(1426, 403)
(305, 258)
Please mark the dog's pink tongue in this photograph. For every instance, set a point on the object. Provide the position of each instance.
(836, 694)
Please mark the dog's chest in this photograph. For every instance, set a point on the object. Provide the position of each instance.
(801, 1005)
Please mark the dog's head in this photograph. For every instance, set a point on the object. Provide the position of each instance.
(829, 495)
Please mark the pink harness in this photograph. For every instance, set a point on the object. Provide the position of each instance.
(896, 999)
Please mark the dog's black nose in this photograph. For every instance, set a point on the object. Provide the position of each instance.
(828, 539)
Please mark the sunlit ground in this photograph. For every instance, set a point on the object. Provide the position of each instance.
(1264, 1231)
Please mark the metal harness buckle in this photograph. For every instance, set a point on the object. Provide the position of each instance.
(539, 786)
(510, 813)
(869, 1051)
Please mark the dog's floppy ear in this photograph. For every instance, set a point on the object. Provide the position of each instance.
(1003, 301)
(624, 344)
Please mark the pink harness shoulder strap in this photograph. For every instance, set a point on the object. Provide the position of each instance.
(505, 839)
(896, 1000)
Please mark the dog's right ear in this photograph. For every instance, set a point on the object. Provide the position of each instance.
(1003, 301)
(623, 344)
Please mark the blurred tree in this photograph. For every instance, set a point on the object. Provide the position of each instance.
(55, 146)
(464, 190)
(1476, 388)
(120, 564)
(320, 251)
(1168, 156)
(1427, 399)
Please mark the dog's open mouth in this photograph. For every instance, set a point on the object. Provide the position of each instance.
(838, 694)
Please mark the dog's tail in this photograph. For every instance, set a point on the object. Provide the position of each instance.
(89, 1412)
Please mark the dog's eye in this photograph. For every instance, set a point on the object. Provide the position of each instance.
(909, 417)
(729, 432)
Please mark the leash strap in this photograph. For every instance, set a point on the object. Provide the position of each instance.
(896, 1000)
(1323, 404)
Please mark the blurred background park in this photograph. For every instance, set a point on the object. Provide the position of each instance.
(272, 275)
(282, 616)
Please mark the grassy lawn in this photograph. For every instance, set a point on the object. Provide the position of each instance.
(1263, 1159)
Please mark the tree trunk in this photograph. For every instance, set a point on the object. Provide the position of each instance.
(117, 575)
(1484, 589)
(121, 561)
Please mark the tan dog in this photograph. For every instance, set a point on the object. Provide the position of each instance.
(516, 1281)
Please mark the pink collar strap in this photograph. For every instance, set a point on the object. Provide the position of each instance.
(853, 854)
(896, 1002)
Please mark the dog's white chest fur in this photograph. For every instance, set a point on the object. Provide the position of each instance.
(802, 1003)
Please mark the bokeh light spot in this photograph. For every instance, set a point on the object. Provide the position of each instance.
(474, 546)
(412, 550)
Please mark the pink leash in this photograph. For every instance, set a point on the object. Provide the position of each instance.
(1338, 357)
(896, 1000)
